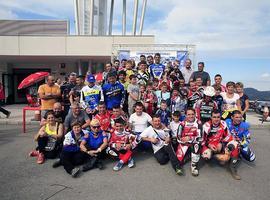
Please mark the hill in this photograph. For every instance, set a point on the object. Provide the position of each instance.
(254, 94)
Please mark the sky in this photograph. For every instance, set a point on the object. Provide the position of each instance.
(232, 37)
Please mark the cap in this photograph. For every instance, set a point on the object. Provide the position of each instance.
(209, 91)
(94, 122)
(91, 78)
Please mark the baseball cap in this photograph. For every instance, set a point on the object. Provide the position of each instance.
(91, 78)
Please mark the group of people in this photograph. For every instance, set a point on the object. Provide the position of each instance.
(175, 113)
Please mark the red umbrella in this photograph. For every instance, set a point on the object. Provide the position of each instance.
(32, 79)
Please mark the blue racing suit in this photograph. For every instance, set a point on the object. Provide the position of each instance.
(156, 70)
(114, 94)
(242, 135)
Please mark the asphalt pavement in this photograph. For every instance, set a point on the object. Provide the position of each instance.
(22, 178)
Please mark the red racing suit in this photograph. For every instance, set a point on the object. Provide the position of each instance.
(194, 131)
(104, 120)
(123, 139)
(215, 135)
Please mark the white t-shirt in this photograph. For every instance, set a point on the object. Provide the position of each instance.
(229, 103)
(174, 126)
(150, 133)
(139, 123)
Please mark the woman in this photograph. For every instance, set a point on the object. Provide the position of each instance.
(231, 100)
(244, 100)
(93, 145)
(48, 139)
(71, 154)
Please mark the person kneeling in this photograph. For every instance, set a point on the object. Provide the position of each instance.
(219, 143)
(161, 144)
(71, 155)
(94, 145)
(121, 144)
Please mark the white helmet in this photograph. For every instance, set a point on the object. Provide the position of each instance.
(209, 91)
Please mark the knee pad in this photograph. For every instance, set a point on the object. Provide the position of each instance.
(232, 145)
(207, 154)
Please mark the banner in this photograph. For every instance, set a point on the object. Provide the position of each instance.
(182, 56)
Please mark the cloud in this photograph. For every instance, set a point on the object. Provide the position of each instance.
(265, 75)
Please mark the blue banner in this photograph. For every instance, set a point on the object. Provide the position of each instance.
(182, 56)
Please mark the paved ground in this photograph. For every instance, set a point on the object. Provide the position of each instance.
(22, 178)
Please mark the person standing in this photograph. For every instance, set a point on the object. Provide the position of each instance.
(244, 99)
(49, 94)
(206, 81)
(187, 71)
(2, 101)
(156, 69)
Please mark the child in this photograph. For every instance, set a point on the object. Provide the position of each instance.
(117, 113)
(121, 145)
(142, 93)
(174, 124)
(163, 94)
(218, 98)
(103, 116)
(175, 100)
(164, 113)
(150, 99)
(133, 93)
(129, 70)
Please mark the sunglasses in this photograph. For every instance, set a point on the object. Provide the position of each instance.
(95, 126)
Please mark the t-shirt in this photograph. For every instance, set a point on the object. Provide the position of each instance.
(139, 123)
(243, 101)
(174, 126)
(70, 118)
(94, 142)
(47, 104)
(163, 96)
(65, 90)
(186, 74)
(204, 75)
(134, 89)
(160, 134)
(229, 103)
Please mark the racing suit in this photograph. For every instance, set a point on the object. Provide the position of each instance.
(242, 135)
(204, 110)
(215, 135)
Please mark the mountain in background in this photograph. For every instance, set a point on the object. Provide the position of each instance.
(254, 94)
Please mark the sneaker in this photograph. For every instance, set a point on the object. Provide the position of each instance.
(118, 166)
(57, 163)
(112, 153)
(232, 167)
(8, 114)
(33, 153)
(179, 171)
(131, 163)
(75, 172)
(40, 158)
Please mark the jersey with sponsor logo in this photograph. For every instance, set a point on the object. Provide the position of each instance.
(90, 96)
(156, 70)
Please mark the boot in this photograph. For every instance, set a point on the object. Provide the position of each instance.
(194, 169)
(232, 167)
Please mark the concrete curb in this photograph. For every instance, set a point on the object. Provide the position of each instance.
(11, 122)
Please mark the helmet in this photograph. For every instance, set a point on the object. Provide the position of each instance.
(209, 91)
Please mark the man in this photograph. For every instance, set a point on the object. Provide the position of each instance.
(193, 95)
(161, 144)
(240, 130)
(219, 141)
(189, 137)
(49, 93)
(187, 71)
(65, 90)
(206, 81)
(76, 115)
(116, 64)
(107, 69)
(91, 95)
(103, 116)
(156, 70)
(204, 107)
(58, 113)
(114, 92)
(218, 80)
(75, 93)
(150, 60)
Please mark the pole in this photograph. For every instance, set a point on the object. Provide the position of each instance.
(111, 17)
(124, 17)
(135, 15)
(142, 16)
